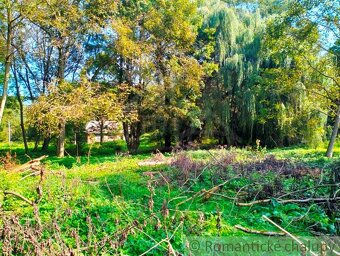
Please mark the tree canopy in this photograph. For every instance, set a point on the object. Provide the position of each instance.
(236, 72)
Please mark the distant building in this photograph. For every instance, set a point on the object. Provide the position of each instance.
(111, 131)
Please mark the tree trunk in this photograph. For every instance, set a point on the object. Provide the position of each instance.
(61, 65)
(45, 144)
(22, 123)
(132, 133)
(78, 143)
(61, 141)
(101, 123)
(7, 62)
(168, 121)
(61, 76)
(36, 142)
(330, 148)
(167, 134)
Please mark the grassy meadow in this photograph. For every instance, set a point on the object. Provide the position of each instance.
(106, 202)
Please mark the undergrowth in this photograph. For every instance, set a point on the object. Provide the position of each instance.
(121, 207)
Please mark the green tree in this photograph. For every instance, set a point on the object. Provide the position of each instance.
(229, 97)
(12, 14)
(64, 103)
(11, 118)
(67, 25)
(73, 103)
(173, 27)
(105, 106)
(310, 29)
(153, 60)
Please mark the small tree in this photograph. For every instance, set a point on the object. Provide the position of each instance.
(104, 106)
(69, 103)
(64, 103)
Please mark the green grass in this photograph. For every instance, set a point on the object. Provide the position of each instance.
(90, 154)
(112, 192)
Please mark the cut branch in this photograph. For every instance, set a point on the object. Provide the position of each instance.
(29, 165)
(286, 232)
(259, 232)
(306, 200)
(8, 192)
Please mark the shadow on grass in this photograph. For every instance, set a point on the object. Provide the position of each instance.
(89, 154)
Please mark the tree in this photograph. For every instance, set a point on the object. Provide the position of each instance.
(120, 62)
(286, 111)
(309, 26)
(229, 102)
(50, 113)
(66, 25)
(105, 106)
(73, 103)
(11, 119)
(21, 107)
(153, 61)
(172, 27)
(11, 16)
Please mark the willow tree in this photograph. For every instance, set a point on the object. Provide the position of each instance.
(229, 98)
(310, 29)
(286, 111)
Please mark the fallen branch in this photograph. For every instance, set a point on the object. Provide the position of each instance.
(306, 189)
(167, 240)
(259, 232)
(206, 193)
(224, 196)
(154, 246)
(8, 192)
(29, 165)
(153, 163)
(210, 192)
(306, 200)
(254, 202)
(198, 194)
(36, 173)
(287, 233)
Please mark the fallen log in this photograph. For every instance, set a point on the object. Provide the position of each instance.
(29, 165)
(259, 232)
(35, 173)
(212, 191)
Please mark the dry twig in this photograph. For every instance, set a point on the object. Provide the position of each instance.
(305, 200)
(259, 232)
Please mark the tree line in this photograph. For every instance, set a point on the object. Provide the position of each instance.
(234, 71)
